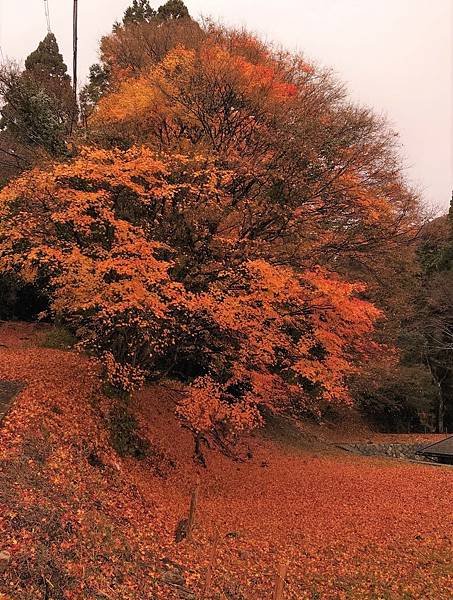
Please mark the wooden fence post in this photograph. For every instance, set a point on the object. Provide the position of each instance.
(192, 512)
(280, 581)
(5, 559)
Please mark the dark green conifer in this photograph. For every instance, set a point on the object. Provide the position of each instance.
(46, 61)
(173, 9)
(38, 104)
(139, 11)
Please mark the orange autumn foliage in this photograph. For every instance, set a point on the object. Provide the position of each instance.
(108, 237)
(158, 94)
(315, 178)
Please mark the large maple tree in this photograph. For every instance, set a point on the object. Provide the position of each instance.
(201, 233)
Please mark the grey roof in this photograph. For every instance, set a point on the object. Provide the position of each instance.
(442, 448)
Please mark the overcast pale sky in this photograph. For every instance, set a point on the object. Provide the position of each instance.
(394, 55)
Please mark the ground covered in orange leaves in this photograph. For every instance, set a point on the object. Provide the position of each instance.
(79, 522)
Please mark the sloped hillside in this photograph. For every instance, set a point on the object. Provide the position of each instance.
(79, 522)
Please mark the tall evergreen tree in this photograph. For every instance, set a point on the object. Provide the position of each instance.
(173, 9)
(46, 61)
(38, 103)
(138, 12)
(98, 83)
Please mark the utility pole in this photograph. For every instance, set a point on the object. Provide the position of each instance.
(75, 51)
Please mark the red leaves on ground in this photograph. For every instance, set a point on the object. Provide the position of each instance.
(351, 528)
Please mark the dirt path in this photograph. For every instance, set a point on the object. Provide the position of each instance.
(8, 391)
(21, 335)
(14, 335)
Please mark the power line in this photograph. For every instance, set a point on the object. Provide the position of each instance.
(47, 11)
(2, 57)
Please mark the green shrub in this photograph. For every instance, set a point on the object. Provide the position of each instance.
(124, 436)
(59, 338)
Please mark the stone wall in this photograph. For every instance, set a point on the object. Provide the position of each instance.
(403, 451)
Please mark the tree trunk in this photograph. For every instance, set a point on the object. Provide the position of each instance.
(440, 410)
(198, 454)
